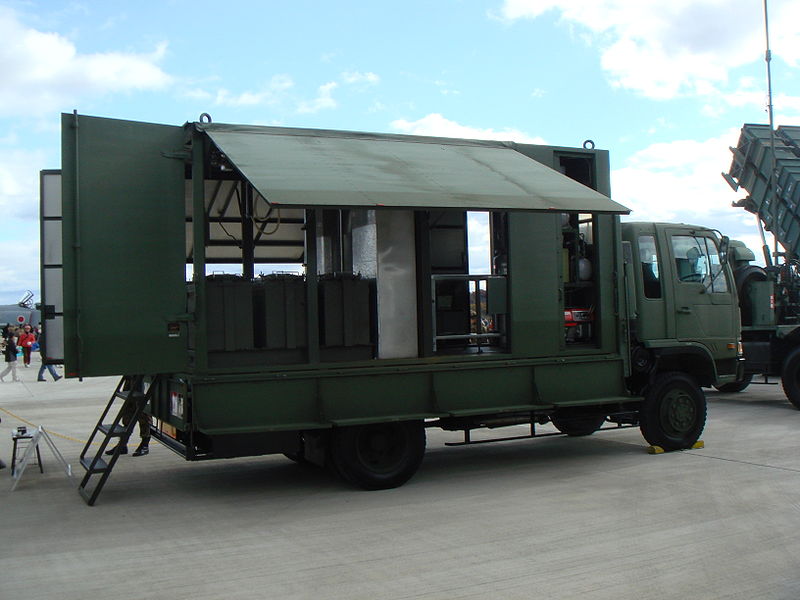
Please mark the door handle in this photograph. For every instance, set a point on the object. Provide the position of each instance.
(685, 310)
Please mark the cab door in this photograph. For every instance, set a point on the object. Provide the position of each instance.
(704, 302)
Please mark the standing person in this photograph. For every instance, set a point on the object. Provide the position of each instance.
(44, 366)
(144, 432)
(10, 356)
(26, 340)
(128, 410)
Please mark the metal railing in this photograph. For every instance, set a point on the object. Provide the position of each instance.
(474, 291)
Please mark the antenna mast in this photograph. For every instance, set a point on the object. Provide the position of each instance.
(771, 183)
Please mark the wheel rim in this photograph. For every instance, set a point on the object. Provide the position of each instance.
(678, 413)
(381, 449)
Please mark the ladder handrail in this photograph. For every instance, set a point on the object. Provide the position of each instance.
(102, 419)
(97, 466)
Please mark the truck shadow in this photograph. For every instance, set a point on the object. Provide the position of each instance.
(562, 455)
(273, 478)
(745, 399)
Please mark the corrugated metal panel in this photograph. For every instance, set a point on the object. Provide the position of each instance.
(325, 168)
(52, 266)
(776, 203)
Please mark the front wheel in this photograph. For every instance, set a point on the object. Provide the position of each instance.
(378, 456)
(673, 412)
(790, 377)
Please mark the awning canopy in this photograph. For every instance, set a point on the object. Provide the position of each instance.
(307, 168)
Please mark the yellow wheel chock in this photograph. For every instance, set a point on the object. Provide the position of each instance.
(659, 450)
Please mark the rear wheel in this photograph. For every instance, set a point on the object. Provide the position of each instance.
(790, 377)
(378, 456)
(673, 412)
(736, 386)
(576, 422)
(297, 457)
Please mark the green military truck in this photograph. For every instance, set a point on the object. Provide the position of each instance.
(766, 164)
(382, 329)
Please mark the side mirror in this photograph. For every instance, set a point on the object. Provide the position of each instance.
(724, 249)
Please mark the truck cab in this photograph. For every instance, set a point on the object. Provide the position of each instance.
(684, 311)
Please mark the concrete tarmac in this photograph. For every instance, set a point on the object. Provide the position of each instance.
(556, 517)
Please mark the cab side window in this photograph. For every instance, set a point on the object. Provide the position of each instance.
(648, 257)
(718, 282)
(697, 261)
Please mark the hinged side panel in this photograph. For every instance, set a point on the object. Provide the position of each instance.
(52, 342)
(123, 247)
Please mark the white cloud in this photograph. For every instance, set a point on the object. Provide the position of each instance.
(271, 93)
(19, 182)
(660, 125)
(787, 109)
(197, 94)
(445, 89)
(667, 49)
(19, 270)
(437, 125)
(668, 179)
(681, 181)
(43, 72)
(323, 100)
(352, 77)
(19, 205)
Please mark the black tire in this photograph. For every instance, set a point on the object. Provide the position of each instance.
(298, 456)
(744, 276)
(673, 412)
(736, 386)
(577, 422)
(790, 377)
(378, 456)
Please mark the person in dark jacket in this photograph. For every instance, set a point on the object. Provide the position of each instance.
(49, 367)
(128, 411)
(10, 356)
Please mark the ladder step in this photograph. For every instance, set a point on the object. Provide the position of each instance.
(99, 464)
(135, 399)
(112, 430)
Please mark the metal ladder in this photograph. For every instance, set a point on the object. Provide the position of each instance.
(130, 391)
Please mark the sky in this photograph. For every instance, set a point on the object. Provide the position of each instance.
(664, 87)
